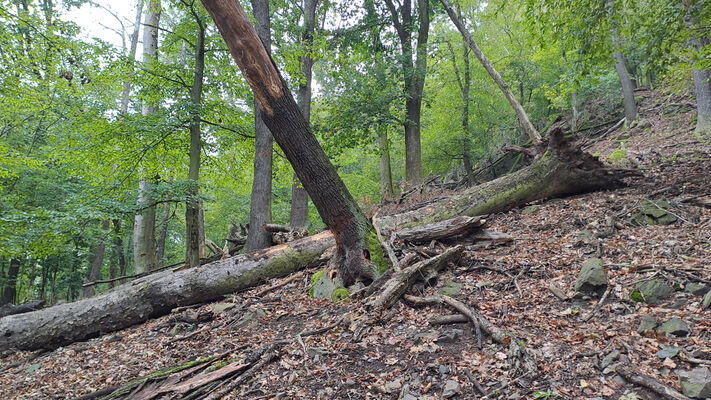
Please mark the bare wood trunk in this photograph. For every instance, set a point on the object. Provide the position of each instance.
(260, 206)
(526, 124)
(155, 295)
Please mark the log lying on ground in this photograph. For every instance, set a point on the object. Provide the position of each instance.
(559, 170)
(440, 230)
(11, 309)
(156, 295)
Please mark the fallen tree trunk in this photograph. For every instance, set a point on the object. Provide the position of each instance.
(558, 170)
(11, 309)
(156, 295)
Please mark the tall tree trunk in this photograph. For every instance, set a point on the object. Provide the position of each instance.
(162, 234)
(192, 205)
(621, 68)
(299, 196)
(526, 124)
(118, 262)
(337, 208)
(260, 206)
(144, 243)
(9, 291)
(126, 93)
(702, 85)
(414, 72)
(464, 83)
(95, 273)
(386, 177)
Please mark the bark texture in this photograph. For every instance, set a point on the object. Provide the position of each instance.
(95, 273)
(194, 236)
(526, 124)
(414, 69)
(386, 177)
(125, 94)
(621, 68)
(260, 206)
(337, 208)
(299, 196)
(561, 170)
(702, 88)
(144, 244)
(155, 295)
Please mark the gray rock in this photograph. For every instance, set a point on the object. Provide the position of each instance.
(393, 387)
(592, 277)
(609, 359)
(647, 323)
(450, 336)
(652, 292)
(443, 370)
(451, 289)
(222, 307)
(707, 301)
(451, 389)
(250, 318)
(697, 289)
(668, 352)
(674, 327)
(696, 383)
(409, 396)
(324, 287)
(532, 209)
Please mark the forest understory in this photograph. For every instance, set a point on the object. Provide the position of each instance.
(307, 347)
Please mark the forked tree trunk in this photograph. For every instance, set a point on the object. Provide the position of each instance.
(526, 124)
(299, 196)
(337, 208)
(260, 205)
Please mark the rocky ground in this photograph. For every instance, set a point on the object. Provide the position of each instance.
(650, 242)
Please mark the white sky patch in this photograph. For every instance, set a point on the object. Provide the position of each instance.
(102, 21)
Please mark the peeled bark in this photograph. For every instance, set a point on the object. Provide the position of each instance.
(156, 295)
(526, 124)
(337, 208)
(260, 206)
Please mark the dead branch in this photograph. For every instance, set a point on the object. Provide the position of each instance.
(635, 376)
(440, 230)
(276, 228)
(386, 245)
(449, 319)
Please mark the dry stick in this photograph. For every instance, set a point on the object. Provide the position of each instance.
(386, 246)
(285, 282)
(457, 305)
(635, 376)
(599, 303)
(693, 360)
(557, 292)
(141, 275)
(449, 319)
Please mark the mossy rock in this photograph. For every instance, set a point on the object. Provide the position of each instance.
(653, 213)
(340, 294)
(652, 292)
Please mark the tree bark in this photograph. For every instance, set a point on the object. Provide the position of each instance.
(155, 295)
(414, 71)
(627, 86)
(118, 262)
(144, 243)
(526, 124)
(260, 206)
(386, 178)
(702, 85)
(561, 170)
(192, 204)
(9, 291)
(162, 234)
(95, 273)
(299, 196)
(125, 94)
(337, 208)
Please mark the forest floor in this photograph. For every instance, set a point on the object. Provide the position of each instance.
(404, 357)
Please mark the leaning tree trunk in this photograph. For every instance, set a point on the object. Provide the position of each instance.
(559, 170)
(156, 295)
(260, 205)
(494, 74)
(337, 208)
